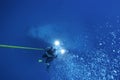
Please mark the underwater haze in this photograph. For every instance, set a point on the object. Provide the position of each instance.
(88, 29)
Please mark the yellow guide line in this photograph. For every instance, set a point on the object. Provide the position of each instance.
(20, 47)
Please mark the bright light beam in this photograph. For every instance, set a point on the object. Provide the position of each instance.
(62, 51)
(57, 43)
(59, 47)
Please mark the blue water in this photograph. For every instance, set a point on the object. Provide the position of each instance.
(88, 29)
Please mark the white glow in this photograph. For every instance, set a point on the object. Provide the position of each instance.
(59, 48)
(57, 43)
(62, 51)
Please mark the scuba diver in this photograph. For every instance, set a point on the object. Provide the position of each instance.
(49, 56)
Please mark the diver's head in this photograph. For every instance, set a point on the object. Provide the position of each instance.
(52, 48)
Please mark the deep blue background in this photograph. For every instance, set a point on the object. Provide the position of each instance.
(17, 16)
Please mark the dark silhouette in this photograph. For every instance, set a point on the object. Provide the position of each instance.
(49, 56)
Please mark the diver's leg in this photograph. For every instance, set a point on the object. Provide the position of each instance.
(47, 64)
(48, 60)
(51, 59)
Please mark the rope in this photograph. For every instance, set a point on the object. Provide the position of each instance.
(19, 47)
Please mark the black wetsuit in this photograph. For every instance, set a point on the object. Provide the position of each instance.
(49, 56)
